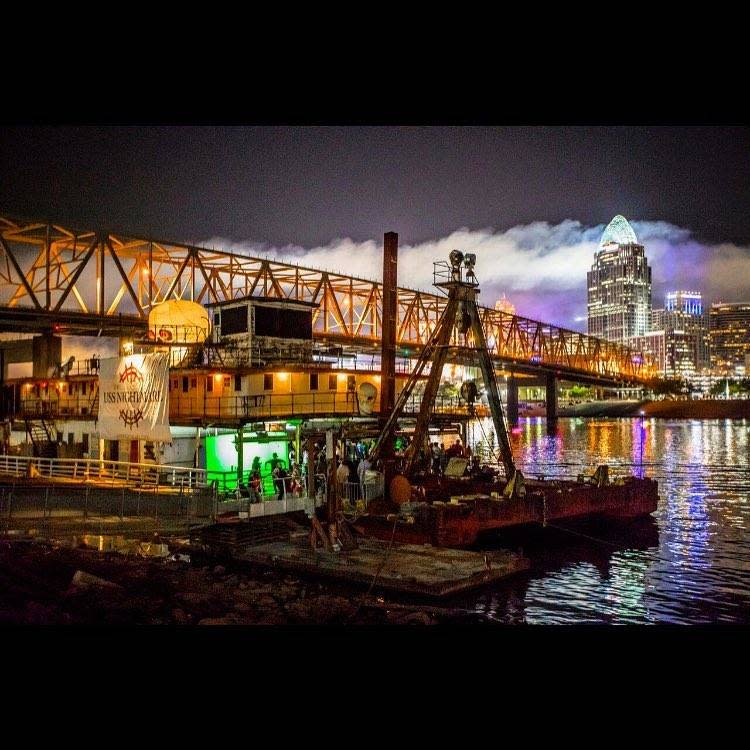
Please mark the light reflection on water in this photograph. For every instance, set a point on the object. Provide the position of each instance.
(698, 568)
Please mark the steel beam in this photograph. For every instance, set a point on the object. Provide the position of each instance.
(493, 395)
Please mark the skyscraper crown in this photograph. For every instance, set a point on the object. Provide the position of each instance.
(618, 230)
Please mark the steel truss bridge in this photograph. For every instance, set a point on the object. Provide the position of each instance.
(59, 279)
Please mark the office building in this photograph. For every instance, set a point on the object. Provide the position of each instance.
(685, 326)
(729, 328)
(619, 286)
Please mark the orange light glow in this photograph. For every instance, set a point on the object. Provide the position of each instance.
(283, 375)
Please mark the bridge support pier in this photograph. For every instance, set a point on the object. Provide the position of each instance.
(47, 353)
(512, 400)
(551, 402)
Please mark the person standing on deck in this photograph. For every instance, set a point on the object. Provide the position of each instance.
(278, 482)
(362, 469)
(342, 477)
(255, 488)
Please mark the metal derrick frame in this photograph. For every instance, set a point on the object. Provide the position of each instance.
(133, 274)
(461, 301)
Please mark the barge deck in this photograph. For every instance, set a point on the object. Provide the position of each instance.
(283, 542)
(405, 568)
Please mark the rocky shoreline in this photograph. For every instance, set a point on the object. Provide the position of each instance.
(46, 583)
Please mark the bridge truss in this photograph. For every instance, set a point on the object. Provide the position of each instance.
(52, 272)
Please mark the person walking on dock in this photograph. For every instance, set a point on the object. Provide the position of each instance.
(435, 450)
(278, 475)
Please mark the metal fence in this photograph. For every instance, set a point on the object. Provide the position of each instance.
(147, 495)
(115, 473)
(362, 492)
(61, 506)
(197, 403)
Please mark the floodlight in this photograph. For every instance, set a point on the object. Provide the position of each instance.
(456, 257)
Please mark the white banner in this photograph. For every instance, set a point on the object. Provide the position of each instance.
(134, 398)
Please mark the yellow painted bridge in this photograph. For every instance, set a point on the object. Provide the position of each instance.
(82, 281)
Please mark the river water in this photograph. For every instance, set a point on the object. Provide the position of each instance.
(690, 564)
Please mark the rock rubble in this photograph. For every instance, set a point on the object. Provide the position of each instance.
(42, 583)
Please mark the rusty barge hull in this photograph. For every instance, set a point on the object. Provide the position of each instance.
(459, 524)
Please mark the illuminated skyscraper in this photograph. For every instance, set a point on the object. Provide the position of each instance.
(505, 305)
(685, 327)
(690, 303)
(730, 336)
(619, 285)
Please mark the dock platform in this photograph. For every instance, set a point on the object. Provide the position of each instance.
(408, 568)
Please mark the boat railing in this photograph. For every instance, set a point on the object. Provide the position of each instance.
(289, 494)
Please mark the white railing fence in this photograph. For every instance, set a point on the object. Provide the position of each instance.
(158, 476)
(288, 494)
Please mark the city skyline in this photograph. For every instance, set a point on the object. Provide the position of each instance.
(684, 340)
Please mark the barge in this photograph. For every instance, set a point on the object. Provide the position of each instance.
(459, 512)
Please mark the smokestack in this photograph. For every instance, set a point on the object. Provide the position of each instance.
(388, 334)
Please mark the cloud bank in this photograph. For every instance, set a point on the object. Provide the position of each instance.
(541, 267)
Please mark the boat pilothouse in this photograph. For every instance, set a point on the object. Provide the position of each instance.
(254, 332)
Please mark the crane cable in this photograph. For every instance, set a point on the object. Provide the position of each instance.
(377, 572)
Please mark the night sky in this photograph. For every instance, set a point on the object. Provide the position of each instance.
(268, 188)
(310, 185)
